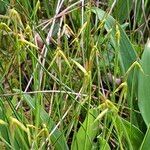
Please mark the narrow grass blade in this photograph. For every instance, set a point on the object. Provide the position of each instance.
(4, 131)
(3, 6)
(122, 10)
(145, 144)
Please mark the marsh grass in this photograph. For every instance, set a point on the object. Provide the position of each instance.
(69, 74)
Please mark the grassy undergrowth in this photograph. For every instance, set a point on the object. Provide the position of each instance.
(74, 74)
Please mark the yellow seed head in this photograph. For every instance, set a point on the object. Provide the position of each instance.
(117, 34)
(14, 15)
(2, 122)
(28, 30)
(4, 27)
(102, 23)
(15, 122)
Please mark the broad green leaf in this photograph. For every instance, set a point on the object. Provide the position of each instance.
(139, 11)
(132, 134)
(57, 137)
(127, 52)
(103, 144)
(144, 85)
(122, 10)
(146, 142)
(87, 132)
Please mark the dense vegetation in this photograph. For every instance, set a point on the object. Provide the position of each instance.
(74, 74)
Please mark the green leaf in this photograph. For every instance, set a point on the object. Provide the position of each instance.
(4, 131)
(3, 6)
(146, 142)
(87, 132)
(127, 52)
(132, 134)
(144, 85)
(103, 144)
(122, 10)
(57, 138)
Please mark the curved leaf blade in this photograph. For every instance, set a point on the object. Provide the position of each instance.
(127, 53)
(144, 85)
(146, 142)
(57, 137)
(87, 132)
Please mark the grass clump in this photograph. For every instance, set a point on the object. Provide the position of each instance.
(72, 75)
